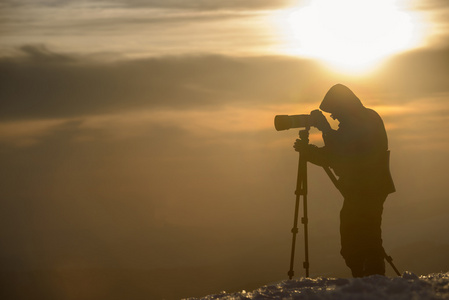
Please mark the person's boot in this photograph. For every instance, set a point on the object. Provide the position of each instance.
(356, 265)
(357, 271)
(374, 266)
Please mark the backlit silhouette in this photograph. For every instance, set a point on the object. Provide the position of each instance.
(358, 154)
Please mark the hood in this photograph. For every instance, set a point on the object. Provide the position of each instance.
(340, 98)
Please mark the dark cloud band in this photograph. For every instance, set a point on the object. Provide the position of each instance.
(40, 83)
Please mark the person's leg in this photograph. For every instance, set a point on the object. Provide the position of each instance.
(361, 241)
(374, 252)
(350, 249)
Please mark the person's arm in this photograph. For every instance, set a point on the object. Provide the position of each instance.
(316, 155)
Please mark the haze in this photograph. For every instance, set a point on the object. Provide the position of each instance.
(139, 157)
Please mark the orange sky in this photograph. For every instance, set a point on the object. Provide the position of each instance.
(139, 136)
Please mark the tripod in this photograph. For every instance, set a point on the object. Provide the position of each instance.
(301, 190)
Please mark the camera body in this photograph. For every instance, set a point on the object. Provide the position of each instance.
(284, 122)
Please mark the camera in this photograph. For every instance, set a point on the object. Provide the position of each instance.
(284, 122)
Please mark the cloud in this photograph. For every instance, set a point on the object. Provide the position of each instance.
(208, 4)
(170, 4)
(436, 14)
(416, 74)
(43, 84)
(40, 83)
(41, 54)
(137, 29)
(431, 5)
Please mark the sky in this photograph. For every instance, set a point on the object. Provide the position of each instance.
(138, 136)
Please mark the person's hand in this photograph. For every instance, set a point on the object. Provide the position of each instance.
(320, 120)
(304, 148)
(301, 146)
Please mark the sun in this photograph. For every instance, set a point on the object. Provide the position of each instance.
(350, 35)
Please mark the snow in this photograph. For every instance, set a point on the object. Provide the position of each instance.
(409, 286)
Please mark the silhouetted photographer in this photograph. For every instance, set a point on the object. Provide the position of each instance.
(358, 154)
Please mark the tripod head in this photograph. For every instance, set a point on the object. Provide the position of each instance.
(301, 144)
(304, 135)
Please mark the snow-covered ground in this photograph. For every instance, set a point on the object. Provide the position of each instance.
(408, 286)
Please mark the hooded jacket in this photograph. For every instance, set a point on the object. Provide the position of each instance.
(358, 150)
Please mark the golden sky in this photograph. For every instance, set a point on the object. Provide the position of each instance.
(139, 135)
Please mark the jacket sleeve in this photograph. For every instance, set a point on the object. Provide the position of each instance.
(317, 155)
(358, 154)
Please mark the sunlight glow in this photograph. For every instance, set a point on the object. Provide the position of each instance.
(350, 35)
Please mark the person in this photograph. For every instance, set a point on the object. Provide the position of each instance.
(358, 154)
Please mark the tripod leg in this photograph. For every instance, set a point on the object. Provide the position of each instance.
(305, 219)
(298, 192)
(389, 259)
(291, 273)
(295, 221)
